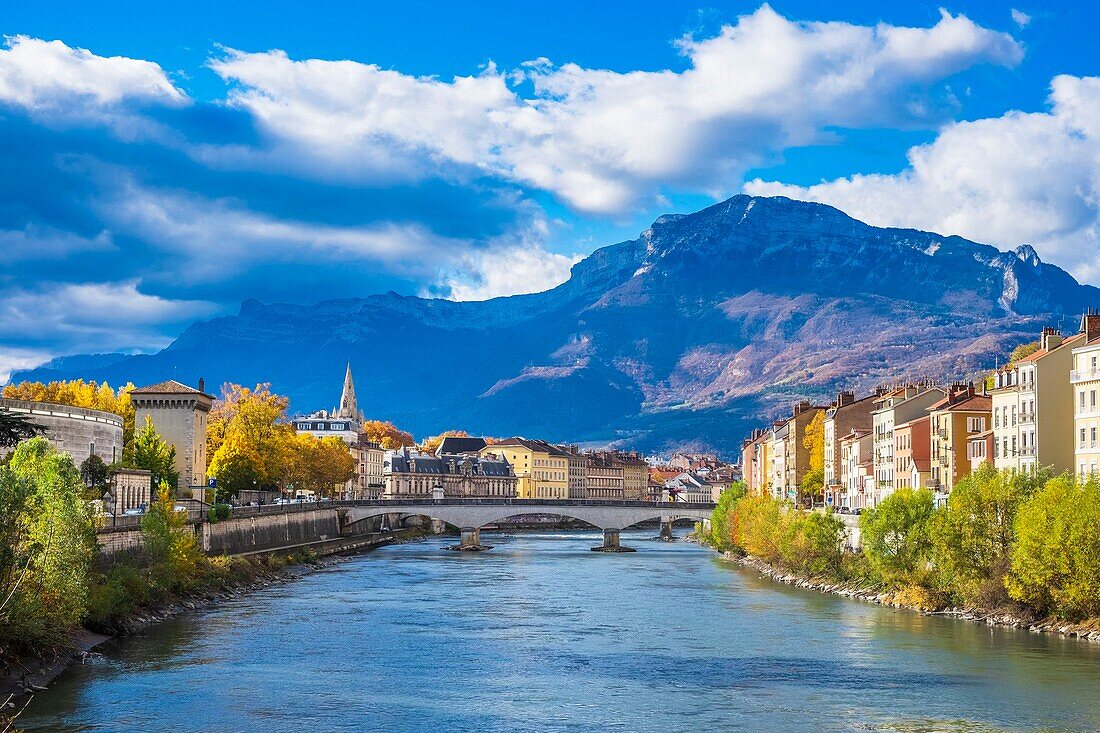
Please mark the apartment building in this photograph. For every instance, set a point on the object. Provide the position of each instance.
(841, 418)
(895, 407)
(1085, 382)
(542, 469)
(912, 454)
(856, 469)
(796, 463)
(1033, 407)
(754, 461)
(956, 418)
(777, 460)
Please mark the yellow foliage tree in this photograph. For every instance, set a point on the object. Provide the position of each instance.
(252, 423)
(387, 434)
(78, 393)
(321, 465)
(814, 441)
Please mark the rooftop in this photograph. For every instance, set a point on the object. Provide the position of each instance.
(169, 386)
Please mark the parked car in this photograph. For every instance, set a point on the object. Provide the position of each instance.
(133, 512)
(857, 511)
(182, 508)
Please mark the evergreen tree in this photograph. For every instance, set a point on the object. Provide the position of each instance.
(152, 453)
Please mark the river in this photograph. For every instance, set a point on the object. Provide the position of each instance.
(540, 634)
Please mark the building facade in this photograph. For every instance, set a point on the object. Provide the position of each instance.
(542, 469)
(78, 431)
(1085, 382)
(1033, 408)
(894, 407)
(912, 454)
(180, 414)
(131, 489)
(841, 418)
(577, 472)
(955, 419)
(856, 469)
(410, 474)
(604, 476)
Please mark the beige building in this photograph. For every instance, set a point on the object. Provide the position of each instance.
(578, 472)
(179, 413)
(894, 407)
(841, 418)
(912, 454)
(754, 461)
(777, 461)
(603, 476)
(131, 489)
(1085, 382)
(541, 468)
(955, 419)
(1032, 408)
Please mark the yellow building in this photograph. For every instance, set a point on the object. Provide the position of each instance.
(542, 469)
(1085, 380)
(955, 419)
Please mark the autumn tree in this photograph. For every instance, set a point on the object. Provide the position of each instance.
(320, 465)
(387, 435)
(153, 453)
(813, 440)
(251, 424)
(429, 445)
(78, 393)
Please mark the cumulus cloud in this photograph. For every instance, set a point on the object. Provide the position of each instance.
(1020, 178)
(1020, 18)
(604, 140)
(50, 78)
(43, 242)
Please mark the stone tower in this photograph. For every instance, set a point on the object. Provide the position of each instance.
(179, 413)
(349, 407)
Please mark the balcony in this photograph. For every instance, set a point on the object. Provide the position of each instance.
(1084, 375)
(1027, 418)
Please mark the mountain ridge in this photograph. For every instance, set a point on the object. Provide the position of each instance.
(684, 335)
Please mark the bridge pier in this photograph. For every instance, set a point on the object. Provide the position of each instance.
(611, 543)
(470, 540)
(666, 531)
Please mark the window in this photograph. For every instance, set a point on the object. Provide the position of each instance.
(1092, 437)
(1092, 399)
(91, 449)
(1014, 414)
(1082, 438)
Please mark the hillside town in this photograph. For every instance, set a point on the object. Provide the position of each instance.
(1038, 410)
(453, 465)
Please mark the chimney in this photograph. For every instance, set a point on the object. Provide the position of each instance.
(202, 384)
(845, 398)
(1090, 324)
(800, 407)
(1051, 339)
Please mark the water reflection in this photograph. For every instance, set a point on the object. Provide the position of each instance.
(542, 635)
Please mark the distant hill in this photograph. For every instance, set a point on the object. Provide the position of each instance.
(684, 336)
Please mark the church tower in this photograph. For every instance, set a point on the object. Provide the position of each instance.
(349, 408)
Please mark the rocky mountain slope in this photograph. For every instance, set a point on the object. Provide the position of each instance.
(686, 335)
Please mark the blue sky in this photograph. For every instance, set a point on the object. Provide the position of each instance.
(161, 163)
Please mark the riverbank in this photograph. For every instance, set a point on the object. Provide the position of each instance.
(1088, 630)
(23, 677)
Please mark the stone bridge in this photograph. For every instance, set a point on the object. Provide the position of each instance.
(470, 515)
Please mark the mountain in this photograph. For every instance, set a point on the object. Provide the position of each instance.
(688, 335)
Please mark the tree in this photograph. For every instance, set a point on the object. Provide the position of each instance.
(236, 468)
(15, 427)
(152, 453)
(1055, 561)
(1024, 350)
(720, 531)
(813, 440)
(93, 472)
(429, 445)
(78, 393)
(973, 535)
(47, 543)
(169, 543)
(387, 435)
(320, 465)
(896, 537)
(252, 422)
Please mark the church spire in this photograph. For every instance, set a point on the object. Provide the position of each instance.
(349, 408)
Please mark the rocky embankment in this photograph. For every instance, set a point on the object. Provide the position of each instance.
(1089, 630)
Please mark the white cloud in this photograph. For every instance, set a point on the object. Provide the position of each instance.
(491, 273)
(1020, 18)
(13, 359)
(40, 242)
(97, 316)
(1020, 178)
(52, 79)
(603, 140)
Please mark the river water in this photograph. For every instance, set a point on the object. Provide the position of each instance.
(540, 634)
